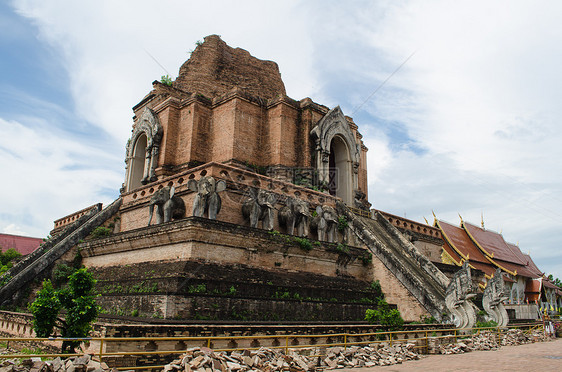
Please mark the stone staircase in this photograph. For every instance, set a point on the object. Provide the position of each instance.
(419, 275)
(50, 251)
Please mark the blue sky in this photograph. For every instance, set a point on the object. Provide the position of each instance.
(469, 125)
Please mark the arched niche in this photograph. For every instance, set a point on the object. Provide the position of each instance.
(340, 179)
(337, 155)
(137, 162)
(142, 151)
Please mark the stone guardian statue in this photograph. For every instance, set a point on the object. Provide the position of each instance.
(457, 298)
(167, 205)
(493, 297)
(207, 201)
(295, 215)
(325, 223)
(258, 207)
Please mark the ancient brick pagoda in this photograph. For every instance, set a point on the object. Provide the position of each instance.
(230, 108)
(227, 118)
(240, 203)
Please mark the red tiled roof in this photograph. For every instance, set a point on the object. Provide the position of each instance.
(549, 284)
(494, 244)
(530, 271)
(22, 244)
(488, 269)
(507, 256)
(532, 267)
(454, 255)
(520, 269)
(462, 242)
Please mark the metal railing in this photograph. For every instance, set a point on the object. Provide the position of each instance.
(421, 339)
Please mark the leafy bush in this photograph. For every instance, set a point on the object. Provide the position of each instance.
(342, 248)
(101, 232)
(61, 273)
(76, 298)
(303, 243)
(9, 256)
(7, 259)
(376, 287)
(489, 323)
(200, 288)
(166, 80)
(366, 259)
(342, 224)
(384, 315)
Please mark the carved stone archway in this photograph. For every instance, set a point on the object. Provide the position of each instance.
(148, 130)
(332, 129)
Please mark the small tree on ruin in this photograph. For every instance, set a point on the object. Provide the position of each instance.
(76, 298)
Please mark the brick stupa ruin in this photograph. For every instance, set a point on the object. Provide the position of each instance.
(241, 203)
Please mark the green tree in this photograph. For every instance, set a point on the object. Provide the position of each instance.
(76, 298)
(7, 259)
(384, 315)
(556, 281)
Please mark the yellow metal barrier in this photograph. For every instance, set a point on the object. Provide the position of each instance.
(391, 338)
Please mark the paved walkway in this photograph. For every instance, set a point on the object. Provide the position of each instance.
(539, 356)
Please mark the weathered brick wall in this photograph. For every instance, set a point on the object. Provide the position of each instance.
(269, 276)
(215, 68)
(396, 293)
(135, 213)
(221, 146)
(197, 238)
(16, 324)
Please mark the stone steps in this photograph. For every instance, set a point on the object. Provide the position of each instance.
(418, 275)
(29, 268)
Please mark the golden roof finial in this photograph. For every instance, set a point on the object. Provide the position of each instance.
(426, 222)
(482, 218)
(462, 222)
(434, 218)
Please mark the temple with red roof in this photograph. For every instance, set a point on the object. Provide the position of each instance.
(485, 250)
(448, 246)
(22, 244)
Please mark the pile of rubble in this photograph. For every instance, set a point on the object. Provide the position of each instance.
(482, 341)
(488, 341)
(72, 364)
(369, 356)
(264, 359)
(518, 337)
(458, 348)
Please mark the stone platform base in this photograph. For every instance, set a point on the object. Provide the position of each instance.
(197, 268)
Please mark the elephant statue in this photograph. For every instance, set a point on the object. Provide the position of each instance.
(325, 223)
(167, 205)
(259, 207)
(207, 199)
(295, 215)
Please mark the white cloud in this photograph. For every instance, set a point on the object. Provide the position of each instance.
(468, 124)
(13, 229)
(49, 176)
(481, 97)
(105, 43)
